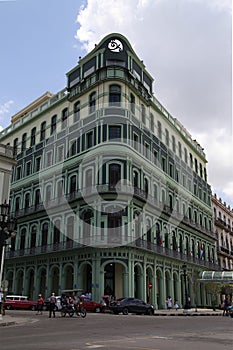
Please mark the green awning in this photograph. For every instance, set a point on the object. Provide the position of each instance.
(216, 276)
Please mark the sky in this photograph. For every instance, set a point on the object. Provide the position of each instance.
(186, 46)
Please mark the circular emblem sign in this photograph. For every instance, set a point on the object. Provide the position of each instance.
(115, 45)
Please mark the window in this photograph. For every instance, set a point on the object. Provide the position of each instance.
(24, 140)
(37, 164)
(92, 102)
(37, 197)
(17, 204)
(159, 126)
(56, 232)
(48, 192)
(53, 124)
(180, 149)
(114, 95)
(135, 141)
(64, 117)
(196, 166)
(135, 179)
(114, 174)
(33, 137)
(73, 183)
(164, 168)
(173, 144)
(191, 160)
(60, 153)
(89, 139)
(132, 103)
(73, 147)
(77, 108)
(15, 146)
(60, 189)
(44, 234)
(114, 132)
(152, 122)
(33, 237)
(42, 131)
(143, 114)
(171, 169)
(185, 156)
(27, 201)
(167, 137)
(146, 149)
(201, 171)
(22, 239)
(28, 168)
(48, 158)
(18, 172)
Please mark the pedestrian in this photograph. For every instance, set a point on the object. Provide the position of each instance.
(40, 303)
(52, 305)
(225, 307)
(176, 305)
(169, 303)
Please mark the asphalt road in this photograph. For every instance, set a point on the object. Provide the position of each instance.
(114, 332)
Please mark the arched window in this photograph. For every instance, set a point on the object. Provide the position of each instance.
(48, 194)
(42, 131)
(56, 232)
(158, 236)
(15, 146)
(77, 108)
(33, 237)
(33, 137)
(44, 234)
(73, 183)
(181, 243)
(17, 205)
(53, 124)
(159, 127)
(114, 95)
(174, 243)
(64, 117)
(24, 141)
(37, 197)
(70, 229)
(167, 137)
(27, 201)
(22, 239)
(92, 102)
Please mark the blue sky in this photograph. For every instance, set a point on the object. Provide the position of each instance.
(186, 45)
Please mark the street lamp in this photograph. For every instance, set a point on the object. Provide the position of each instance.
(184, 267)
(7, 230)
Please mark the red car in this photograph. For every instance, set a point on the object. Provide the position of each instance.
(19, 302)
(90, 305)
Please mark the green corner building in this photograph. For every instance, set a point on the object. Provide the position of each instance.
(110, 191)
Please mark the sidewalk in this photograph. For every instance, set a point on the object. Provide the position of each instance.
(188, 312)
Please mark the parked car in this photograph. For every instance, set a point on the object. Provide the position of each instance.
(230, 310)
(19, 302)
(131, 305)
(57, 306)
(90, 305)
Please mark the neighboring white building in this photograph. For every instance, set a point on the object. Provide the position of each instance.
(223, 224)
(7, 161)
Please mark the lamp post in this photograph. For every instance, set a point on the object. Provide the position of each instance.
(184, 267)
(7, 230)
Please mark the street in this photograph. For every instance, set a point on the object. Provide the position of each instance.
(113, 332)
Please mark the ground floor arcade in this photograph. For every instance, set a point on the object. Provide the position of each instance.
(119, 272)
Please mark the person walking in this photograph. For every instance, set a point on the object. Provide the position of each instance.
(40, 303)
(169, 303)
(225, 307)
(176, 305)
(52, 305)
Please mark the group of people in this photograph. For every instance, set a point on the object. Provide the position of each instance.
(170, 303)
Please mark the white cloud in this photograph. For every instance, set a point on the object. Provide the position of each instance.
(186, 46)
(4, 113)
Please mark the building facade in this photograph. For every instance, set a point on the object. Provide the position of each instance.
(223, 226)
(110, 190)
